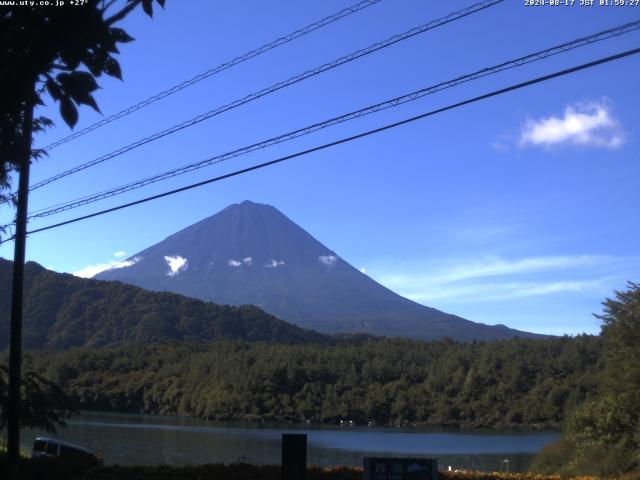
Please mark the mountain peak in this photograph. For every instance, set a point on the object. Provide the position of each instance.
(253, 204)
(251, 253)
(249, 205)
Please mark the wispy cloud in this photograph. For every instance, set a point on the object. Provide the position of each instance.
(497, 266)
(273, 263)
(92, 270)
(328, 259)
(496, 278)
(119, 254)
(502, 291)
(590, 124)
(248, 261)
(127, 263)
(176, 265)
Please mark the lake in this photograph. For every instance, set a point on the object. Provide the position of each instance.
(151, 440)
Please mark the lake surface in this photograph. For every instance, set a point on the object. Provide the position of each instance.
(152, 440)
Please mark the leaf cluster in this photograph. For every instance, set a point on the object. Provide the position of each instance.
(603, 435)
(43, 403)
(59, 51)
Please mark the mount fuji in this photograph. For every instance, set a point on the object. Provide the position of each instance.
(251, 253)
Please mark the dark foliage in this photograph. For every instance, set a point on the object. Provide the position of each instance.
(62, 311)
(513, 383)
(59, 51)
(603, 435)
(44, 405)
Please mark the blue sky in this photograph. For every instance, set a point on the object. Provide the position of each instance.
(521, 209)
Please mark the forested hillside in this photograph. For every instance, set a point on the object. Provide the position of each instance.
(62, 311)
(602, 436)
(514, 383)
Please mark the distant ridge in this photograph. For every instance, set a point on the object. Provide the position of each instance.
(62, 311)
(251, 253)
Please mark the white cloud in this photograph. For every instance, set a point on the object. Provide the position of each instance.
(92, 270)
(363, 270)
(495, 266)
(127, 263)
(496, 278)
(119, 254)
(328, 259)
(502, 291)
(176, 265)
(248, 261)
(589, 124)
(274, 263)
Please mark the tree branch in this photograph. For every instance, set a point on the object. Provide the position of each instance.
(122, 13)
(107, 6)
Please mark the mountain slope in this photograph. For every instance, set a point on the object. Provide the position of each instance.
(251, 253)
(62, 311)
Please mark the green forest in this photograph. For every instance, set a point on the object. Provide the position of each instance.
(602, 436)
(515, 383)
(62, 311)
(136, 351)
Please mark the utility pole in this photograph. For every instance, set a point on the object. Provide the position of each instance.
(15, 346)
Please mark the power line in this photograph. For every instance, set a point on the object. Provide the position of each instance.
(457, 15)
(494, 93)
(220, 68)
(533, 57)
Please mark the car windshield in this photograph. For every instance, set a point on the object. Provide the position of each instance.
(51, 448)
(39, 446)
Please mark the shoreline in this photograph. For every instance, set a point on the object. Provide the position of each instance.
(536, 428)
